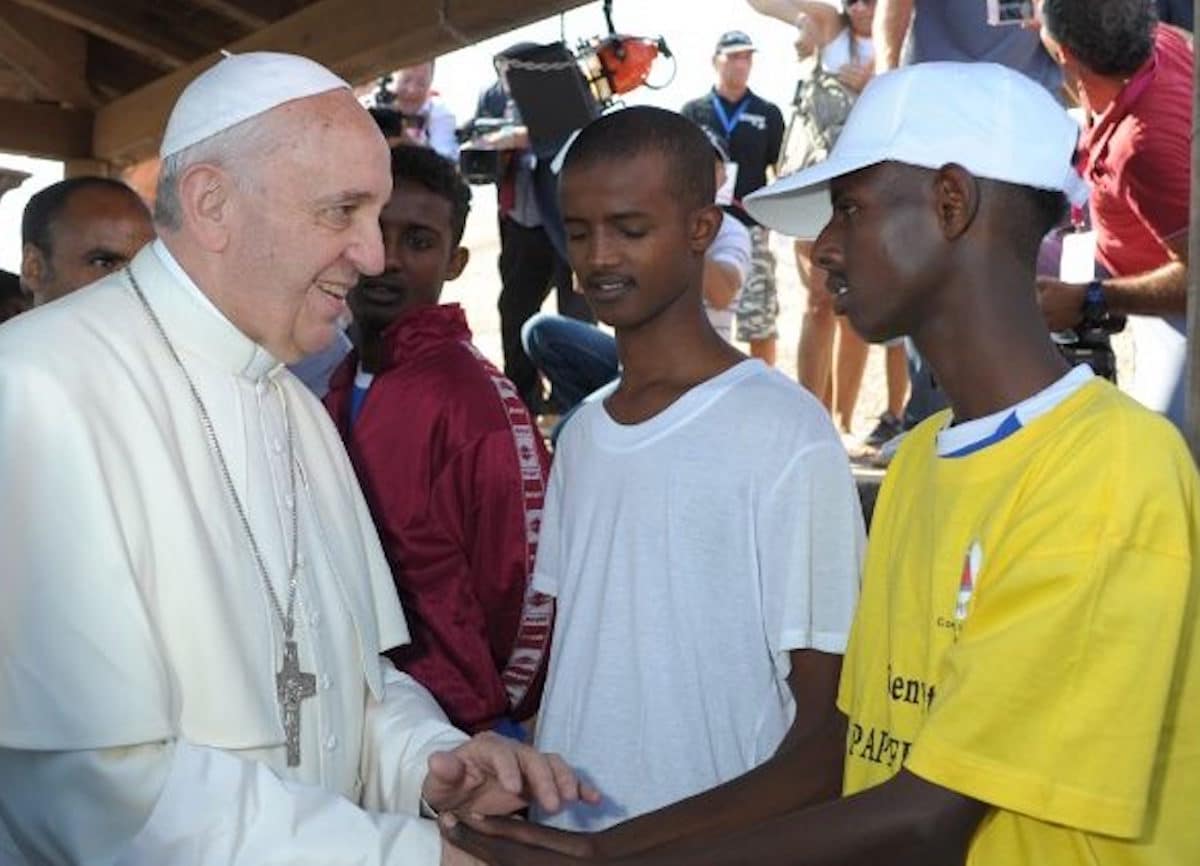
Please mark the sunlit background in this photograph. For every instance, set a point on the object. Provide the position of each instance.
(691, 29)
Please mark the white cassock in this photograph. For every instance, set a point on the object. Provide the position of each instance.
(138, 648)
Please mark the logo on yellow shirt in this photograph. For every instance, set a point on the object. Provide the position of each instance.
(972, 563)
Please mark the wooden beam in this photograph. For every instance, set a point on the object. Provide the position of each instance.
(49, 55)
(112, 71)
(240, 13)
(119, 24)
(41, 129)
(86, 168)
(14, 85)
(358, 39)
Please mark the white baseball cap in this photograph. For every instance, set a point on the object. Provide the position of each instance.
(991, 120)
(239, 87)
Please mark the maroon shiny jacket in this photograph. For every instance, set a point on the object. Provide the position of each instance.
(455, 475)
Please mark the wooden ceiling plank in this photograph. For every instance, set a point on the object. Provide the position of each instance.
(240, 13)
(49, 55)
(41, 129)
(119, 24)
(358, 39)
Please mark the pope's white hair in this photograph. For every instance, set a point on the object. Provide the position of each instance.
(238, 150)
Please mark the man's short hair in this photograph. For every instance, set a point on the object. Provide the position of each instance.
(428, 169)
(44, 207)
(1109, 37)
(623, 135)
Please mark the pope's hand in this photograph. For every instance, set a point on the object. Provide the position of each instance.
(494, 775)
(511, 842)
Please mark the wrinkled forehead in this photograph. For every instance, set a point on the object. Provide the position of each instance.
(321, 144)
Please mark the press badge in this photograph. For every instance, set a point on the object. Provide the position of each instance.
(725, 193)
(1078, 262)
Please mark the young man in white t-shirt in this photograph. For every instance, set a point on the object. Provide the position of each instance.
(702, 531)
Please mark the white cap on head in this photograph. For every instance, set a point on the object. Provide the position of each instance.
(991, 120)
(239, 87)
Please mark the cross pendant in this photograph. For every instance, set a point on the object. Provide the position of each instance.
(293, 686)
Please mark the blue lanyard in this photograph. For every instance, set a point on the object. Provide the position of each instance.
(729, 123)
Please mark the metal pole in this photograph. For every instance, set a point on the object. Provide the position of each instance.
(1192, 425)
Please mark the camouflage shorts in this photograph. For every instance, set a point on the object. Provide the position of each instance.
(758, 303)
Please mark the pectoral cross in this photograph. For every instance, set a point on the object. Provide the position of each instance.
(293, 686)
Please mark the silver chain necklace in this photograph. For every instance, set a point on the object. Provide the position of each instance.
(291, 684)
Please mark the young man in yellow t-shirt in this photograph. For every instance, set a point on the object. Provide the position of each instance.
(1022, 684)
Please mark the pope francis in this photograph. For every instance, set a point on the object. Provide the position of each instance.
(192, 596)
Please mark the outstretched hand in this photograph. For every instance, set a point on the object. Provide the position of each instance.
(494, 775)
(513, 842)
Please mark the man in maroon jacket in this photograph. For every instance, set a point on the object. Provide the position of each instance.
(452, 466)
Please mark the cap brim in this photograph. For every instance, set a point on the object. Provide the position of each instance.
(735, 49)
(798, 204)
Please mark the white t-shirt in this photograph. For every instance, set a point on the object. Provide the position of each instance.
(731, 247)
(689, 554)
(838, 52)
(1159, 364)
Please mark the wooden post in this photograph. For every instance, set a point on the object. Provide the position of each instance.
(82, 167)
(1192, 419)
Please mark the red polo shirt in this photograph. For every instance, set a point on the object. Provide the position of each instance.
(1139, 161)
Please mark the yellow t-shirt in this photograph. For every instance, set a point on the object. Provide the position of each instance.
(1027, 636)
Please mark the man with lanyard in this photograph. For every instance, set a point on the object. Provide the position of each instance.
(753, 129)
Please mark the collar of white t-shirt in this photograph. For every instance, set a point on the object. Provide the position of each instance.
(618, 436)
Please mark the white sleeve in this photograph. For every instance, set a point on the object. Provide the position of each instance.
(176, 804)
(441, 131)
(731, 246)
(400, 733)
(812, 533)
(547, 568)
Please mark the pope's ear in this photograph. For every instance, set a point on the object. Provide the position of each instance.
(206, 194)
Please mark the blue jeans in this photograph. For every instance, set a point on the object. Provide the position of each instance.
(576, 357)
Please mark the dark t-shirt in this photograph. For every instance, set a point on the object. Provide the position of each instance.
(957, 30)
(1177, 12)
(754, 139)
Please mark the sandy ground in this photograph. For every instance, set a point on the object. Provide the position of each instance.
(479, 286)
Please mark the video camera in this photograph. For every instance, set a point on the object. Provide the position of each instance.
(557, 91)
(1090, 343)
(477, 160)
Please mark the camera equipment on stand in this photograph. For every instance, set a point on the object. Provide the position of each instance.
(1089, 342)
(384, 96)
(558, 91)
(478, 159)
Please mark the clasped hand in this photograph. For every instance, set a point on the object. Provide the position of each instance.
(494, 775)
